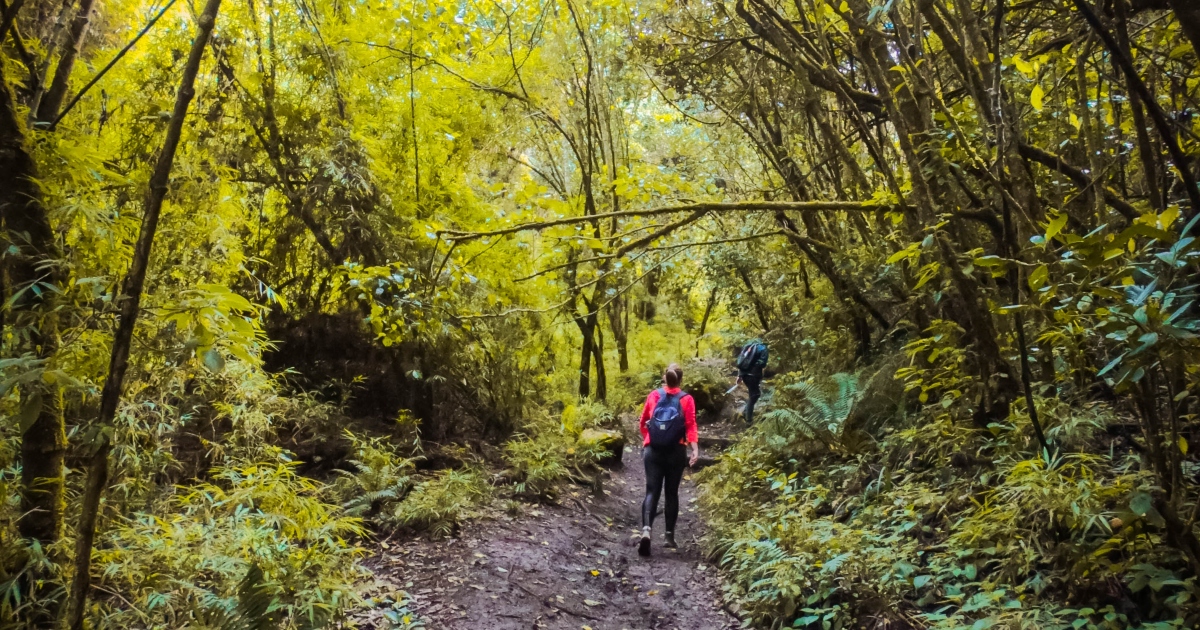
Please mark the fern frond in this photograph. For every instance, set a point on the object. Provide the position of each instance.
(847, 395)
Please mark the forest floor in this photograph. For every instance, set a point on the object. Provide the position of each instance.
(573, 564)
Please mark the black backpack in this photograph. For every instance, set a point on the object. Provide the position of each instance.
(749, 355)
(666, 425)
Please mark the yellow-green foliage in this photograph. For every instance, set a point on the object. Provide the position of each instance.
(381, 476)
(547, 452)
(183, 566)
(439, 504)
(921, 530)
(584, 415)
(707, 381)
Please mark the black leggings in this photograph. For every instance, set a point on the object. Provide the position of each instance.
(752, 386)
(664, 466)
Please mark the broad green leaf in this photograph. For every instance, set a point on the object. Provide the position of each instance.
(1038, 278)
(1036, 97)
(1141, 503)
(31, 408)
(1055, 226)
(213, 360)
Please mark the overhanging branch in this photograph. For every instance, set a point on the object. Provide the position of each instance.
(699, 209)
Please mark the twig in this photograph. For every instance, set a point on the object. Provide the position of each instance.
(106, 68)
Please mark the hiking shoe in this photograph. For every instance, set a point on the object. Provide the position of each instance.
(644, 543)
(670, 543)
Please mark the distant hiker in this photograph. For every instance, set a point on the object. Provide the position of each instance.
(750, 363)
(668, 428)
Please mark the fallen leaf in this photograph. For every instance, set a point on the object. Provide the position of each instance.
(591, 602)
(595, 573)
(651, 593)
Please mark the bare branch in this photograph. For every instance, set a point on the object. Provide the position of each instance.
(1052, 161)
(702, 207)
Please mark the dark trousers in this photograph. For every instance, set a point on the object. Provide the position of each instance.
(664, 467)
(752, 386)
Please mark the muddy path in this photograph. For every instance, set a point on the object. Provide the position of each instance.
(571, 565)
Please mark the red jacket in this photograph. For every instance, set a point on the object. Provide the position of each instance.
(689, 416)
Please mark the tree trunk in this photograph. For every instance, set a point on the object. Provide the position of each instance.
(759, 308)
(1188, 14)
(618, 320)
(708, 309)
(53, 99)
(912, 120)
(598, 357)
(1146, 151)
(130, 300)
(585, 357)
(27, 227)
(9, 17)
(51, 38)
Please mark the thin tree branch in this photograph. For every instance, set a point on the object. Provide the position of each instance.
(1055, 162)
(109, 65)
(1178, 157)
(706, 207)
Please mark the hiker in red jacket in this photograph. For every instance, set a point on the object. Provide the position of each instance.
(668, 427)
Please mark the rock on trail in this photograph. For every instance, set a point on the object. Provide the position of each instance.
(572, 565)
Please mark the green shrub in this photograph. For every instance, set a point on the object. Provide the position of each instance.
(380, 477)
(813, 410)
(539, 462)
(439, 505)
(257, 527)
(707, 381)
(586, 415)
(545, 454)
(941, 525)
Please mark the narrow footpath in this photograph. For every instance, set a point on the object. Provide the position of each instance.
(571, 565)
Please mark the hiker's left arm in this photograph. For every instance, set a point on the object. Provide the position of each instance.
(693, 434)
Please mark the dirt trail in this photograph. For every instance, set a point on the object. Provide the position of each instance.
(571, 565)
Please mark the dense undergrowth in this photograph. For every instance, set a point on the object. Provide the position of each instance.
(827, 517)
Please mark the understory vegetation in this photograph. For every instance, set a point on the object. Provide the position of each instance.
(282, 276)
(924, 522)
